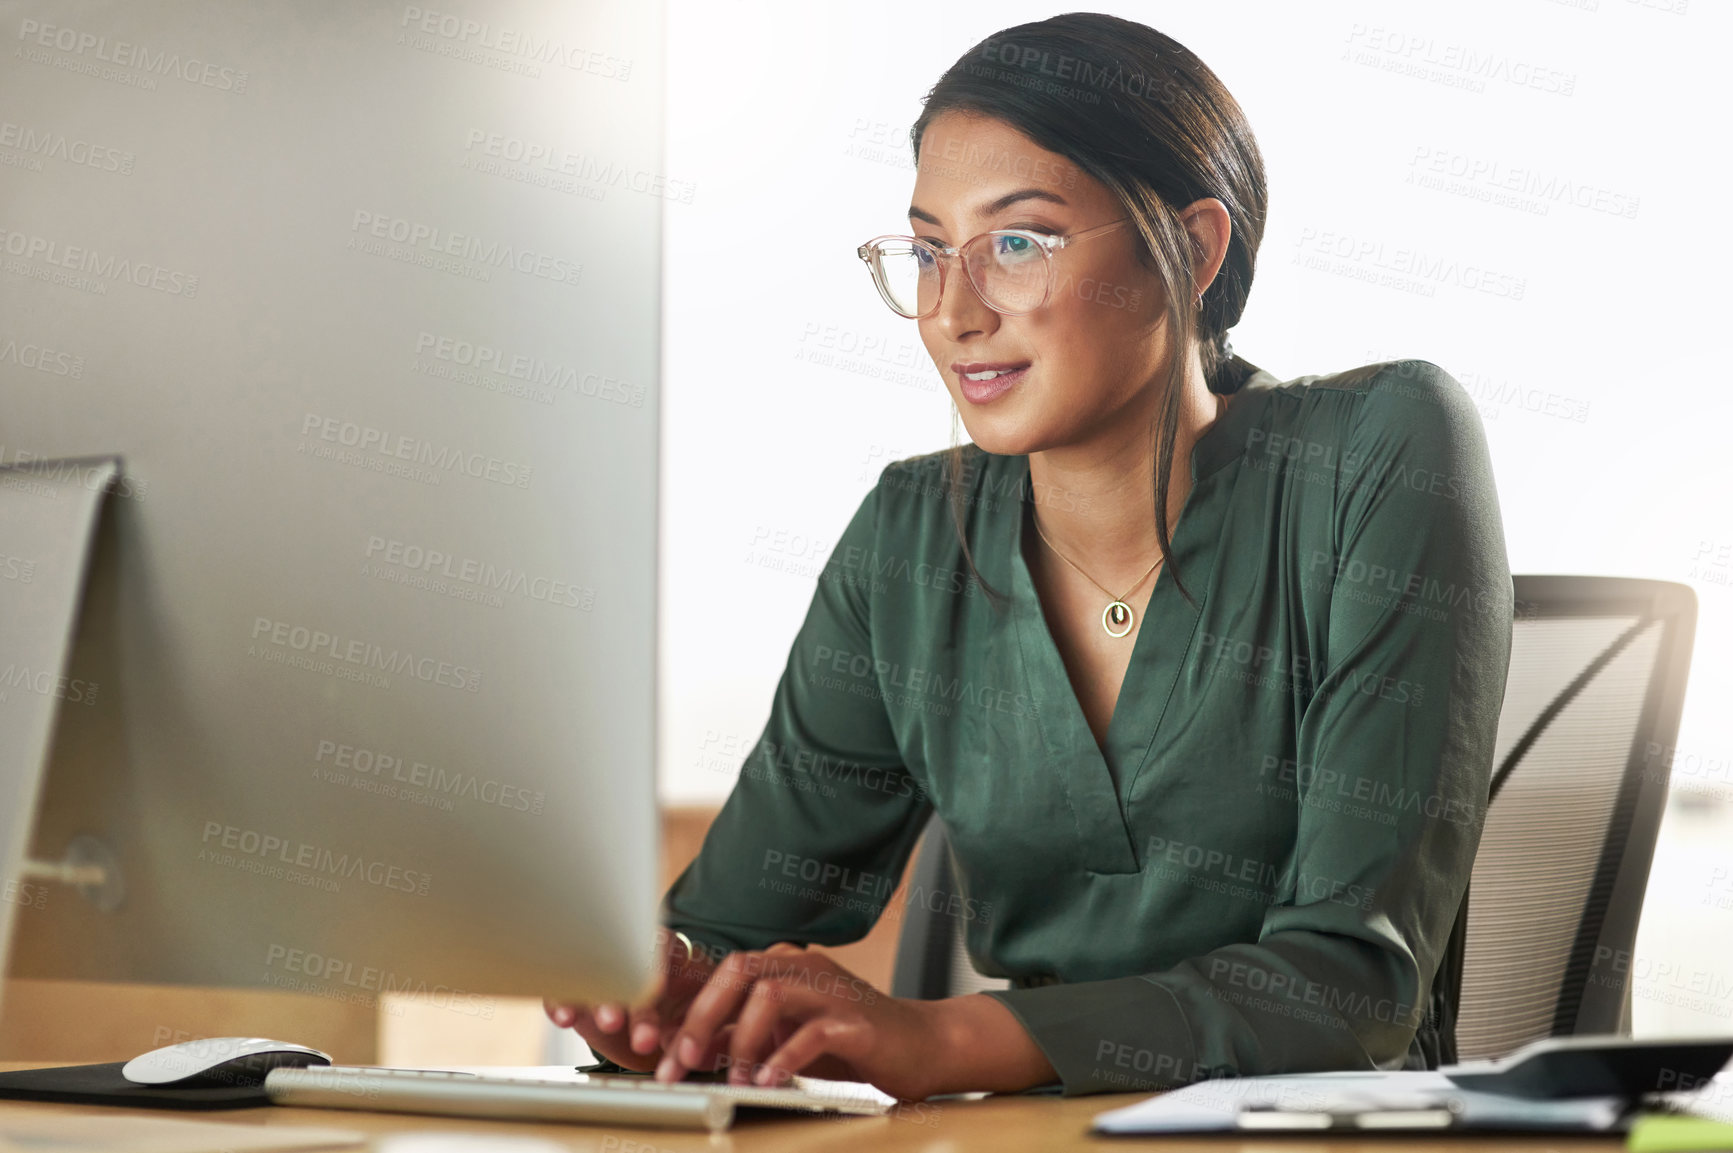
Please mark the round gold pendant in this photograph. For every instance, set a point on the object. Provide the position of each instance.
(1116, 619)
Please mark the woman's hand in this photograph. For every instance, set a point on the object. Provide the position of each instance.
(634, 1039)
(765, 1016)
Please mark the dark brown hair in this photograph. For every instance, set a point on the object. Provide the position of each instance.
(1136, 110)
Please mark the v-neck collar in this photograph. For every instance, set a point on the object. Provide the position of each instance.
(1101, 779)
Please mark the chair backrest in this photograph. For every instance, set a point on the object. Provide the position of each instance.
(1544, 944)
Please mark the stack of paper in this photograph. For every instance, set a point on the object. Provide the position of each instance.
(1408, 1100)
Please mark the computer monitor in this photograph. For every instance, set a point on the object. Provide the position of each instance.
(364, 298)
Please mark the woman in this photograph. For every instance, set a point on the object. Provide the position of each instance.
(1201, 670)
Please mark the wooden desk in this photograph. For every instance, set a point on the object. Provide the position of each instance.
(993, 1124)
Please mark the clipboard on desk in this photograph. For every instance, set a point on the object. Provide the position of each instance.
(1415, 1102)
(1588, 1084)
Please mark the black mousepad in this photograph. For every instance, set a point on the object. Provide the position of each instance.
(104, 1085)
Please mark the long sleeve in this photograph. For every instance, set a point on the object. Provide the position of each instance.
(1404, 696)
(815, 835)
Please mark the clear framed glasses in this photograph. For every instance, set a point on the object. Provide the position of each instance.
(1010, 268)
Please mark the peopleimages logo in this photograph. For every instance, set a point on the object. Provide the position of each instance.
(319, 643)
(50, 145)
(415, 451)
(529, 369)
(125, 54)
(337, 971)
(470, 571)
(267, 848)
(364, 768)
(47, 683)
(103, 266)
(415, 235)
(41, 359)
(93, 476)
(509, 41)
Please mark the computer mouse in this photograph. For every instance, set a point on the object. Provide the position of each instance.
(213, 1061)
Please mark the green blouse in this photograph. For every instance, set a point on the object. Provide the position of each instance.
(1258, 869)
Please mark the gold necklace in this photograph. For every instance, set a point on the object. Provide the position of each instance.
(1117, 613)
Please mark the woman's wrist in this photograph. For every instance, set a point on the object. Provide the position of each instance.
(981, 1046)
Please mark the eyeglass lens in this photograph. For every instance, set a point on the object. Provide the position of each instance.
(1009, 271)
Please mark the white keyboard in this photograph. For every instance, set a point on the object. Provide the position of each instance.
(583, 1098)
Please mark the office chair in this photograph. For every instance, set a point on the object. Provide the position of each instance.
(1544, 943)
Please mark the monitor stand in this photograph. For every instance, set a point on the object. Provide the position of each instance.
(50, 510)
